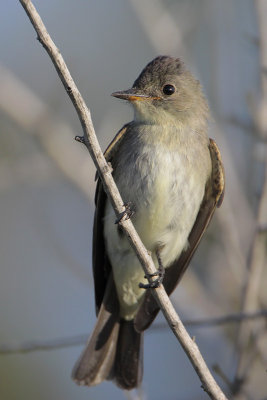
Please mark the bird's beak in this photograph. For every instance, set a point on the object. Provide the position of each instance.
(133, 95)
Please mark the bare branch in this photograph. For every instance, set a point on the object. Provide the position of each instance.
(78, 340)
(160, 26)
(226, 319)
(90, 140)
(33, 115)
(256, 264)
(41, 345)
(257, 255)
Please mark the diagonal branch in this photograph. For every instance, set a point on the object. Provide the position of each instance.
(90, 140)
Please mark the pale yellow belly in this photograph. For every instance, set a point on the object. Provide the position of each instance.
(163, 223)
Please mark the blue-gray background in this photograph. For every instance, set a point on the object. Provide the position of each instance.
(47, 182)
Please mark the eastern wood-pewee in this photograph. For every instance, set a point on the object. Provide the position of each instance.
(171, 174)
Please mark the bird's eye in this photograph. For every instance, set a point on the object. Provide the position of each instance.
(168, 89)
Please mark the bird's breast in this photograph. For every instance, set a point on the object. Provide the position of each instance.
(165, 188)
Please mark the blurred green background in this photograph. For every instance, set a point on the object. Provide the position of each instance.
(47, 188)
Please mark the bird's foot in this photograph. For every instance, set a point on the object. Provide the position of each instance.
(160, 275)
(126, 214)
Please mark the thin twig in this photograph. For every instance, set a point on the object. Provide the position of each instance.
(77, 340)
(34, 116)
(255, 267)
(90, 140)
(226, 319)
(42, 345)
(257, 255)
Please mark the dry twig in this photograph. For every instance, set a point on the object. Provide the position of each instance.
(77, 340)
(257, 256)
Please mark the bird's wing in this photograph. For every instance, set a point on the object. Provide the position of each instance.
(213, 198)
(101, 263)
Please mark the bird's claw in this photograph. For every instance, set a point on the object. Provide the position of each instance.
(126, 214)
(156, 283)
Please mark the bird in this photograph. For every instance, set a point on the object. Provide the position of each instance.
(171, 177)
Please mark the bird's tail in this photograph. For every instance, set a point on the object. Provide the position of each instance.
(128, 367)
(114, 351)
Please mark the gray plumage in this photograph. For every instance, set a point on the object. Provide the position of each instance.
(167, 168)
